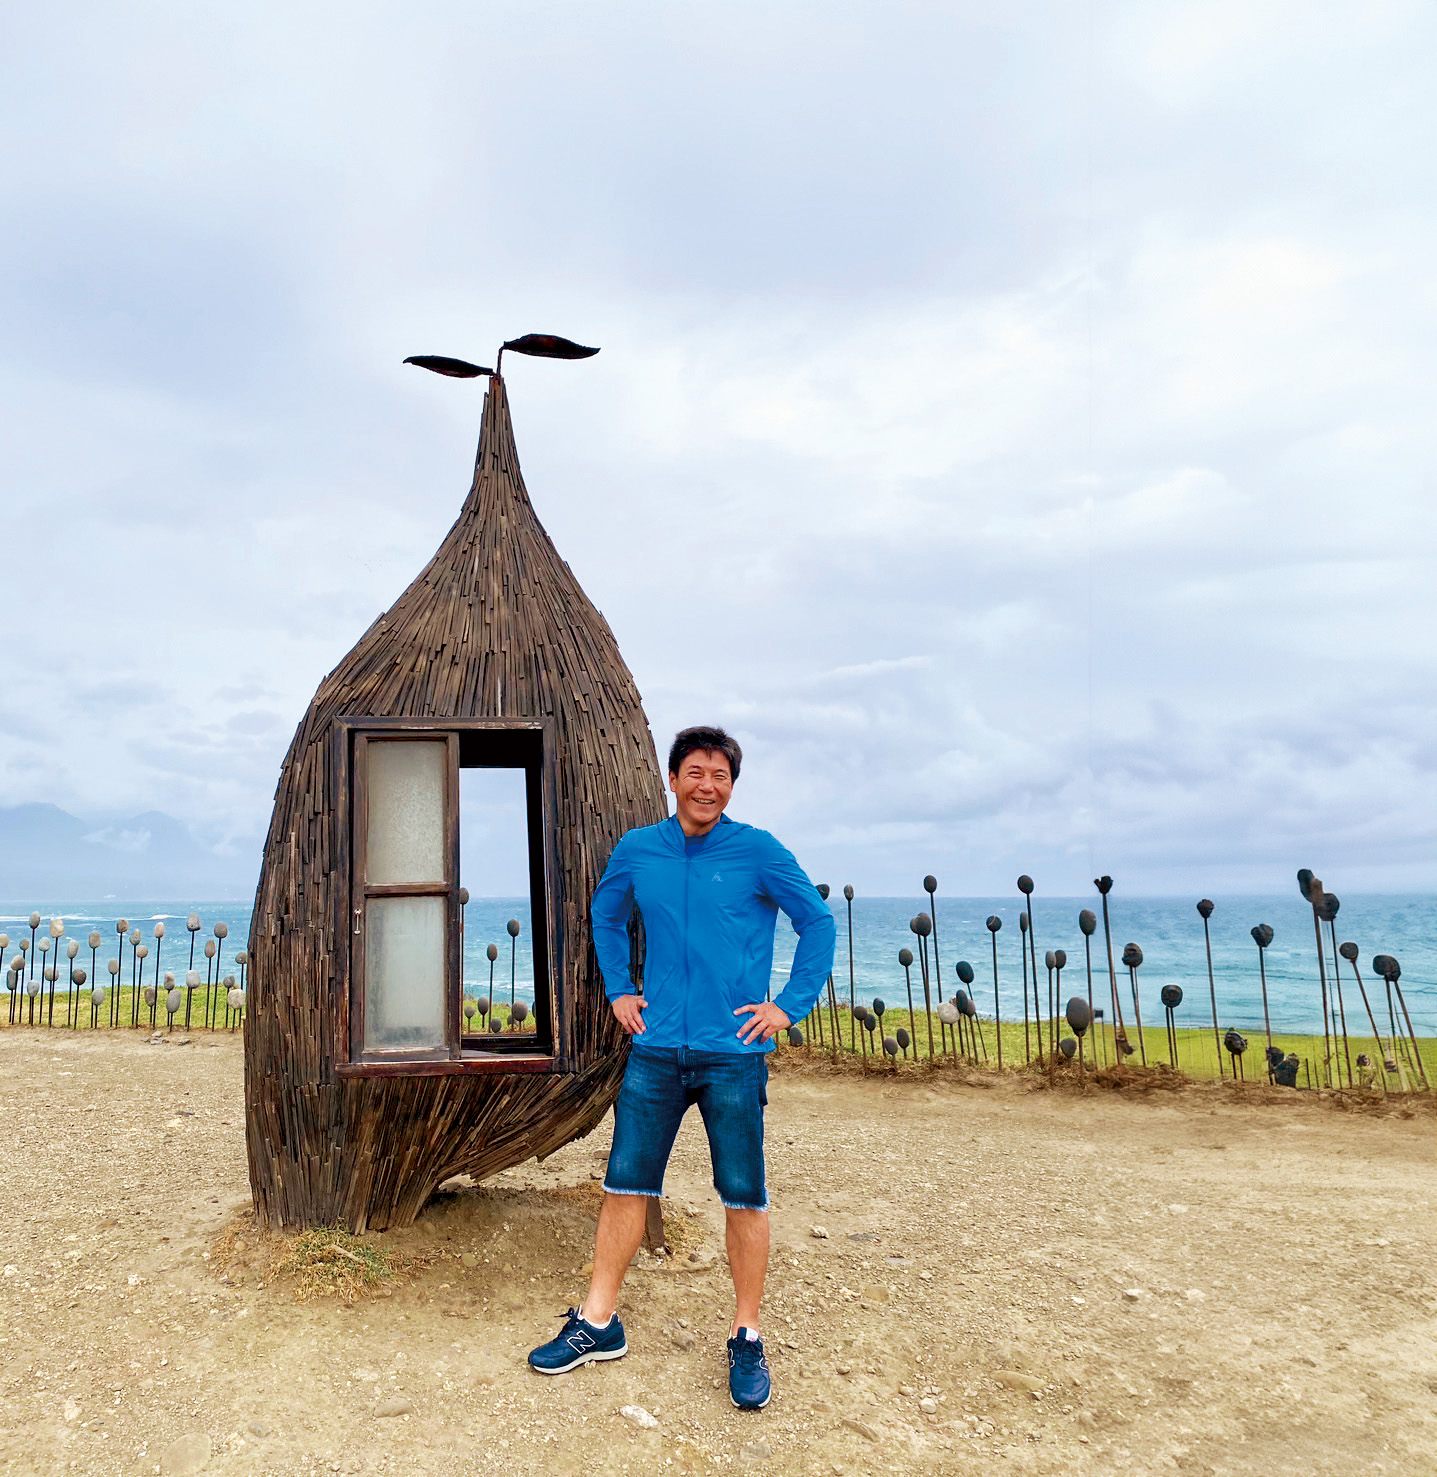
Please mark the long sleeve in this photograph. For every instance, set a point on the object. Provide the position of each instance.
(788, 885)
(609, 912)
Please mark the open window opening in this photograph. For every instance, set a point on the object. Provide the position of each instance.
(451, 925)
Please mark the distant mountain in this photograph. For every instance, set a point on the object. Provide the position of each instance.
(46, 852)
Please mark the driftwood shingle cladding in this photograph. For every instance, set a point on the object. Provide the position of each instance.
(496, 627)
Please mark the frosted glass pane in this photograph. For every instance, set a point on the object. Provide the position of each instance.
(406, 811)
(404, 972)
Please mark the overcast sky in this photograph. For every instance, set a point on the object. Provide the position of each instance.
(1016, 422)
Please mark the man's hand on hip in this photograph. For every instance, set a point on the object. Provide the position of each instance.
(629, 1012)
(763, 1024)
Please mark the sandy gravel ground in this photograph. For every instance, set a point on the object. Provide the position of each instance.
(1013, 1280)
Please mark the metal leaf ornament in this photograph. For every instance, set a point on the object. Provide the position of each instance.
(823, 890)
(1060, 958)
(1171, 996)
(1205, 907)
(964, 971)
(548, 346)
(1068, 1047)
(1088, 922)
(1327, 906)
(905, 957)
(1304, 882)
(1132, 956)
(1348, 952)
(458, 369)
(1261, 934)
(994, 923)
(795, 1036)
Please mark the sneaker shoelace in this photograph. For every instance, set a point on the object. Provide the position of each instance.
(750, 1353)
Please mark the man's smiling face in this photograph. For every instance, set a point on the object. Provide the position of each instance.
(702, 787)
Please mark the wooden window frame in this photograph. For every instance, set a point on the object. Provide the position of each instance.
(503, 743)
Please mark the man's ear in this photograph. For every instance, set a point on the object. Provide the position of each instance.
(673, 782)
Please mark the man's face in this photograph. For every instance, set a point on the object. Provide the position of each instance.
(703, 787)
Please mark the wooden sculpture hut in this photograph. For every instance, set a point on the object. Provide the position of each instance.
(365, 1085)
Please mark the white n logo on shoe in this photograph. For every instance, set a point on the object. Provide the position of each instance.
(580, 1341)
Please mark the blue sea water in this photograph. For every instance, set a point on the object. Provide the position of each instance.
(1169, 931)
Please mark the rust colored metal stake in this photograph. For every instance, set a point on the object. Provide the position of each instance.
(1205, 908)
(1120, 1031)
(994, 924)
(1023, 955)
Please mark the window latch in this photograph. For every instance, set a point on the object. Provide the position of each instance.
(358, 920)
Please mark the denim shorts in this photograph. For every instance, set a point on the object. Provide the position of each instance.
(660, 1084)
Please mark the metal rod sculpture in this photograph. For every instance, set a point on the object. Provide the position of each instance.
(1391, 971)
(34, 922)
(1087, 925)
(930, 886)
(852, 987)
(922, 925)
(1049, 963)
(964, 971)
(1023, 955)
(1121, 1047)
(1133, 958)
(1348, 951)
(993, 925)
(194, 926)
(1172, 997)
(1262, 937)
(45, 973)
(1205, 908)
(13, 977)
(1060, 963)
(222, 931)
(136, 973)
(1311, 889)
(72, 1003)
(1327, 908)
(905, 958)
(828, 983)
(159, 934)
(512, 927)
(1025, 886)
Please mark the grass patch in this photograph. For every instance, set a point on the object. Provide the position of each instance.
(330, 1263)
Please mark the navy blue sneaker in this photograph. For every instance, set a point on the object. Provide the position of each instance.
(748, 1382)
(578, 1342)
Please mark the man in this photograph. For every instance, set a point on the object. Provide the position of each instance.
(709, 890)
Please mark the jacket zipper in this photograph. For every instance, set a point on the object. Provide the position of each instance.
(688, 972)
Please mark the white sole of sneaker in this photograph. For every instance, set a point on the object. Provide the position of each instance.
(591, 1357)
(759, 1406)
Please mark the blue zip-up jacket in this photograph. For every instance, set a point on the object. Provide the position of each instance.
(709, 907)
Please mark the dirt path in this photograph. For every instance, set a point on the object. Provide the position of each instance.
(1076, 1285)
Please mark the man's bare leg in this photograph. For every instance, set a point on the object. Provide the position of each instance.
(621, 1229)
(746, 1234)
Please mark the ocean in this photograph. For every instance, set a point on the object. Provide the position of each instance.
(1169, 931)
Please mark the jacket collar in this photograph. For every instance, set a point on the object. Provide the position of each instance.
(680, 841)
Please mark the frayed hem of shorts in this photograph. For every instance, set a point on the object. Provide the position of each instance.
(734, 1205)
(646, 1194)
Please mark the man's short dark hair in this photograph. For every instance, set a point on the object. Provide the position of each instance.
(711, 740)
